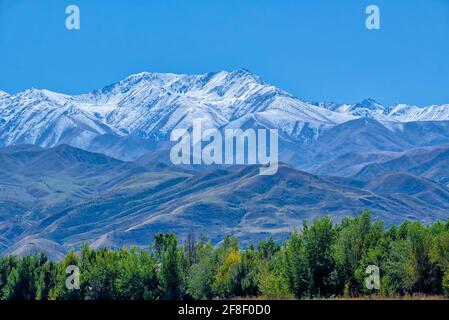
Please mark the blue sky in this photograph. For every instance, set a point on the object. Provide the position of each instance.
(318, 50)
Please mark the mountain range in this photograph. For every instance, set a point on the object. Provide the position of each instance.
(58, 198)
(132, 117)
(95, 167)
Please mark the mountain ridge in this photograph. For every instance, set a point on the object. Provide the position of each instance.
(136, 115)
(109, 202)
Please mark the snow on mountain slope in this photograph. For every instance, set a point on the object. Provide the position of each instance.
(44, 118)
(3, 94)
(407, 113)
(151, 105)
(370, 108)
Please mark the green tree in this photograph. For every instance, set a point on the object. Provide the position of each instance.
(440, 256)
(23, 279)
(46, 280)
(226, 281)
(267, 249)
(7, 265)
(98, 274)
(318, 241)
(248, 273)
(294, 265)
(350, 246)
(422, 275)
(393, 267)
(136, 275)
(272, 283)
(172, 267)
(201, 273)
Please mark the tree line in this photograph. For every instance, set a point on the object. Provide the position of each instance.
(321, 260)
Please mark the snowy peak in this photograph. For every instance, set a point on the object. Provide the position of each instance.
(3, 94)
(408, 113)
(150, 105)
(400, 110)
(370, 104)
(214, 83)
(34, 94)
(370, 108)
(44, 118)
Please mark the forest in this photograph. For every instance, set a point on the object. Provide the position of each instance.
(319, 260)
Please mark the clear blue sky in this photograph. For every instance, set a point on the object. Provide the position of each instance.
(317, 50)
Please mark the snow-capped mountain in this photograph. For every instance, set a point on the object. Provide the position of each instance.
(408, 113)
(364, 107)
(3, 94)
(151, 105)
(46, 119)
(136, 115)
(369, 108)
